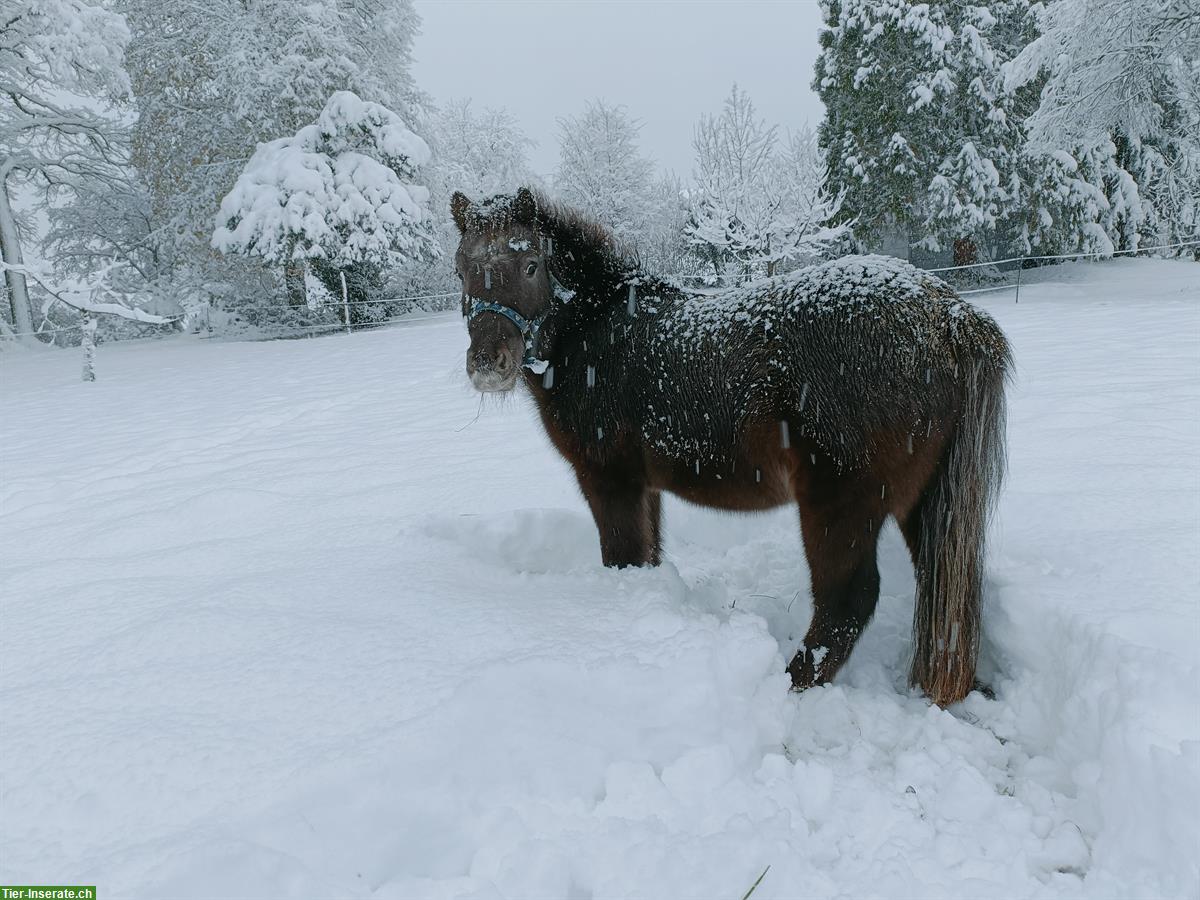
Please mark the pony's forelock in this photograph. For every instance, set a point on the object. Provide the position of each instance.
(548, 218)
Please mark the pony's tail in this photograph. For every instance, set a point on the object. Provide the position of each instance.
(954, 513)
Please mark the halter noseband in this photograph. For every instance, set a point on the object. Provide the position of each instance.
(529, 328)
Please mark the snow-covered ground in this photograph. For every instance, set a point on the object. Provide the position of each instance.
(288, 620)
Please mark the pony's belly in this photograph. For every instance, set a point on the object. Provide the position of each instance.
(743, 487)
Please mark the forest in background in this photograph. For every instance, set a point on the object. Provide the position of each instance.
(264, 166)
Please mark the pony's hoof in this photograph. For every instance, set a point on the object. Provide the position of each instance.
(803, 676)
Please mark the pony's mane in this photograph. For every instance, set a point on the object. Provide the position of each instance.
(584, 255)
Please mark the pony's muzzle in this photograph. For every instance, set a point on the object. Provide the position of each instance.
(493, 369)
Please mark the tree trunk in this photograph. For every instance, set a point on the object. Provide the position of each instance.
(965, 252)
(293, 280)
(10, 249)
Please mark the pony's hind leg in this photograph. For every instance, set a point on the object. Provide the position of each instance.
(840, 523)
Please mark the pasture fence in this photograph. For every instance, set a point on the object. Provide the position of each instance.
(992, 266)
(988, 270)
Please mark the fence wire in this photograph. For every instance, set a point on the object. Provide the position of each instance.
(278, 330)
(1020, 260)
(690, 276)
(1094, 254)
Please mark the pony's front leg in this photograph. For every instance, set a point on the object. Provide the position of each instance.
(627, 517)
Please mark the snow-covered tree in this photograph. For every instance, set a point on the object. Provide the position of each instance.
(1166, 170)
(103, 220)
(975, 187)
(881, 73)
(1063, 126)
(339, 197)
(602, 171)
(57, 59)
(1110, 64)
(665, 247)
(1121, 92)
(733, 168)
(213, 79)
(805, 229)
(1067, 204)
(479, 152)
(920, 133)
(104, 292)
(757, 205)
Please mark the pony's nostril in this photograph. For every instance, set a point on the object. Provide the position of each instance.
(503, 360)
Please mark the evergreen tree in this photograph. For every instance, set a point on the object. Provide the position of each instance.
(884, 72)
(1119, 89)
(214, 79)
(965, 126)
(975, 187)
(920, 132)
(338, 198)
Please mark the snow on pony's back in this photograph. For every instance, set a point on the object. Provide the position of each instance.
(850, 285)
(339, 190)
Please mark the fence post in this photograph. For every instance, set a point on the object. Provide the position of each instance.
(89, 346)
(1020, 266)
(345, 300)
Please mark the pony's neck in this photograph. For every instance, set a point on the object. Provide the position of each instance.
(596, 275)
(584, 261)
(593, 277)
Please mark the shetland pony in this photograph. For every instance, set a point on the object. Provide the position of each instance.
(857, 389)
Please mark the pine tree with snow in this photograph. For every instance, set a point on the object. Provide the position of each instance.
(975, 188)
(213, 79)
(338, 197)
(882, 73)
(920, 132)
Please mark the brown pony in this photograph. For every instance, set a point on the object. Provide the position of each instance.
(858, 389)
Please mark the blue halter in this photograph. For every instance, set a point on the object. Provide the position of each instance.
(529, 328)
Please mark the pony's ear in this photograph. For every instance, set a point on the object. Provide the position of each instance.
(525, 206)
(459, 204)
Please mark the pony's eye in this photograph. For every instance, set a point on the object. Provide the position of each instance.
(530, 269)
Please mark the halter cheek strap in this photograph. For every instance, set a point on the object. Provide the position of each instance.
(529, 328)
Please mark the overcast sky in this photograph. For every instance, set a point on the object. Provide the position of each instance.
(667, 62)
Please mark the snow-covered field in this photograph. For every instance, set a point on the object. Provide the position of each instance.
(287, 620)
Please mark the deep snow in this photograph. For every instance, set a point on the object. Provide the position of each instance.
(287, 619)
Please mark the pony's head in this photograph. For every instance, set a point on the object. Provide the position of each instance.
(506, 285)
